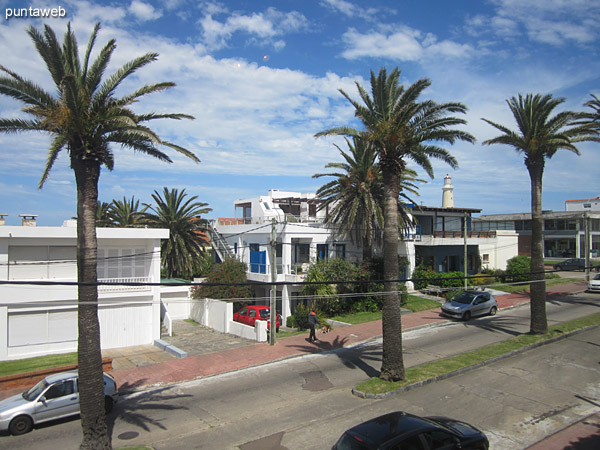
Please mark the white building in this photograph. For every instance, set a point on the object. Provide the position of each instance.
(301, 238)
(583, 204)
(38, 320)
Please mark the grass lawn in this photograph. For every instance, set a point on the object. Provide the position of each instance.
(441, 367)
(38, 363)
(525, 287)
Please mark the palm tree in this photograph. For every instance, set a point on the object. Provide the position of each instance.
(539, 137)
(84, 117)
(354, 199)
(594, 117)
(126, 213)
(400, 128)
(102, 217)
(179, 214)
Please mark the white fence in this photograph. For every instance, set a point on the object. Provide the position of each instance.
(218, 315)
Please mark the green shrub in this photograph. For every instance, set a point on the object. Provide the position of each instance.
(300, 317)
(229, 272)
(518, 269)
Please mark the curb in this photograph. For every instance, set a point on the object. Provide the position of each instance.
(454, 373)
(165, 346)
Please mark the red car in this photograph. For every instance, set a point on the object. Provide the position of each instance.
(250, 314)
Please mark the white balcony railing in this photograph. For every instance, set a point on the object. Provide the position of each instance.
(120, 284)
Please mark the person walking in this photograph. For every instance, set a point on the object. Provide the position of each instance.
(312, 323)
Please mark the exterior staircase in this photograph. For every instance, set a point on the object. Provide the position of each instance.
(221, 248)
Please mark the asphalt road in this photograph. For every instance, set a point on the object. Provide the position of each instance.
(305, 403)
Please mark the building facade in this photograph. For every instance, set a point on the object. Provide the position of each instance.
(37, 319)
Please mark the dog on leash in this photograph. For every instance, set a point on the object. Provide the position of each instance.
(326, 328)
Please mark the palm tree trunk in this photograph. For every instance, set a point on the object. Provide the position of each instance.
(89, 354)
(392, 367)
(538, 321)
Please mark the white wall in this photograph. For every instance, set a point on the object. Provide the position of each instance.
(499, 249)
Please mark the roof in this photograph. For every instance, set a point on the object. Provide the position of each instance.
(583, 200)
(417, 208)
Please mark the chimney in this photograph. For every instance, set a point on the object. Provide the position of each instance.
(2, 221)
(28, 220)
(447, 193)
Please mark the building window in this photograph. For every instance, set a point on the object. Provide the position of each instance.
(322, 252)
(301, 253)
(485, 258)
(340, 251)
(254, 247)
(587, 205)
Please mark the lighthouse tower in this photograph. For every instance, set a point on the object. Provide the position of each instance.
(447, 193)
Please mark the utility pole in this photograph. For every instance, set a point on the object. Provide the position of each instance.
(587, 247)
(466, 266)
(273, 331)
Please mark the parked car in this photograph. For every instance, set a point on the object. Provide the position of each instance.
(400, 430)
(469, 304)
(250, 314)
(54, 397)
(571, 264)
(594, 283)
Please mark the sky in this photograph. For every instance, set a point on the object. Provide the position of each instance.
(262, 77)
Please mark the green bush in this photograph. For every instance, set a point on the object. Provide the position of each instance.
(300, 317)
(425, 277)
(350, 297)
(229, 272)
(518, 269)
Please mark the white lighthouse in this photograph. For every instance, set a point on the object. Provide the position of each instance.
(447, 193)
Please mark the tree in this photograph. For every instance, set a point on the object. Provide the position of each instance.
(85, 117)
(539, 136)
(179, 214)
(400, 128)
(229, 277)
(102, 217)
(126, 213)
(354, 199)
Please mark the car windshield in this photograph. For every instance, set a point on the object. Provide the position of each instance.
(597, 277)
(265, 313)
(464, 297)
(35, 391)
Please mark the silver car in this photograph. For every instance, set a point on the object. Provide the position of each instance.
(469, 304)
(594, 284)
(54, 397)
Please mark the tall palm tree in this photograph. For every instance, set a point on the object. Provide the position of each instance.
(102, 217)
(401, 128)
(179, 214)
(84, 117)
(126, 213)
(539, 136)
(594, 117)
(354, 199)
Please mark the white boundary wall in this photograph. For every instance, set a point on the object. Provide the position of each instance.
(218, 315)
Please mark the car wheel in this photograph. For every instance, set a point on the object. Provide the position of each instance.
(466, 316)
(559, 268)
(493, 311)
(21, 425)
(108, 404)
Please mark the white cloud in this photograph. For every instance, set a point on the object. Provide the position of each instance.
(400, 43)
(263, 26)
(351, 10)
(144, 11)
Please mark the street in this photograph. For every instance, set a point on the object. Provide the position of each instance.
(306, 402)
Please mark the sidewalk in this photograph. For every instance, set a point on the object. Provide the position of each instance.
(199, 366)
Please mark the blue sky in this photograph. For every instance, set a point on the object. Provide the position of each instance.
(262, 77)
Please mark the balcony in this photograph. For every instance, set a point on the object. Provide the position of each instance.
(120, 284)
